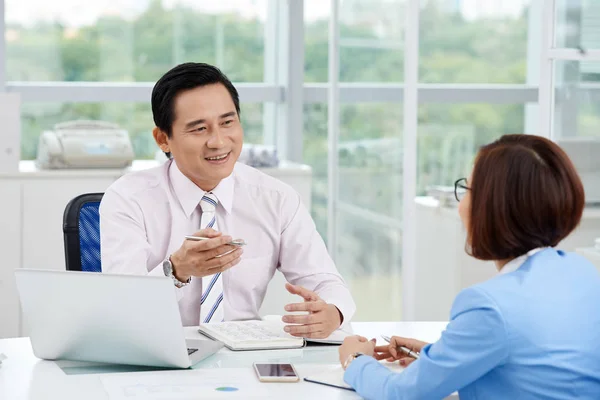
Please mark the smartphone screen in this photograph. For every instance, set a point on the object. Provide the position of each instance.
(275, 370)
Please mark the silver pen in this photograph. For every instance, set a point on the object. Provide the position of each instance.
(235, 242)
(406, 350)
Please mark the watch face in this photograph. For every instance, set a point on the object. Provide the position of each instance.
(167, 268)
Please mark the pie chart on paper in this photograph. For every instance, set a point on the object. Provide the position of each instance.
(226, 389)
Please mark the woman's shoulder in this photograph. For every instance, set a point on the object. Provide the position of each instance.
(542, 277)
(556, 267)
(476, 298)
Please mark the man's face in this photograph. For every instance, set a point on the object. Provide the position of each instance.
(207, 135)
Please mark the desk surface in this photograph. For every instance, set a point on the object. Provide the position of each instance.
(23, 376)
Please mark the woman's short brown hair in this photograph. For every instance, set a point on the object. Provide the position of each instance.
(525, 194)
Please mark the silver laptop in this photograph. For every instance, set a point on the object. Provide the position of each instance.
(119, 319)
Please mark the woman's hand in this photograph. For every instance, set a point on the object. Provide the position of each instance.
(392, 352)
(356, 344)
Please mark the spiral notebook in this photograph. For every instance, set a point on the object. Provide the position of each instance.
(334, 375)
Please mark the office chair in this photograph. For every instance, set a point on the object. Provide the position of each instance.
(81, 229)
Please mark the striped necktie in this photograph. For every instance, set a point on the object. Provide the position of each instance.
(211, 304)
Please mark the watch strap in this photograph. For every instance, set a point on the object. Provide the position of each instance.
(168, 269)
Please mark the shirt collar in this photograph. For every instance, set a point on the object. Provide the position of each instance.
(189, 194)
(516, 263)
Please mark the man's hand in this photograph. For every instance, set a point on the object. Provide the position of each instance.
(392, 352)
(205, 257)
(322, 318)
(356, 344)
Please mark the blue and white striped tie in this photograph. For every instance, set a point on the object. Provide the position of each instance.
(211, 306)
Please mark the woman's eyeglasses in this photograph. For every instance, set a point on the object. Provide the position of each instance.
(460, 188)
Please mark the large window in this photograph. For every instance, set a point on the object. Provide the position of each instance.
(577, 24)
(369, 206)
(371, 40)
(316, 155)
(572, 82)
(460, 43)
(478, 67)
(368, 200)
(577, 98)
(450, 136)
(477, 41)
(125, 41)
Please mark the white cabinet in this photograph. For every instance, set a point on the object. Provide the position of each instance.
(10, 239)
(31, 208)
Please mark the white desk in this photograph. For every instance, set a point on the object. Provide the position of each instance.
(23, 376)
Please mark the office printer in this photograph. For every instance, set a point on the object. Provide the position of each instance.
(84, 144)
(584, 152)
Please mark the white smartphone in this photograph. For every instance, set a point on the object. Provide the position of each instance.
(276, 372)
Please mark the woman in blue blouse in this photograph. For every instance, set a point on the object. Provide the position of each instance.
(533, 331)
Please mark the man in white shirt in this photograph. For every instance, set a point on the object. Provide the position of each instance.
(202, 191)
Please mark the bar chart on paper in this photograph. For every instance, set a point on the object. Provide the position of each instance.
(184, 385)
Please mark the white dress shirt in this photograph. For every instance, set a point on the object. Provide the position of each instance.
(145, 215)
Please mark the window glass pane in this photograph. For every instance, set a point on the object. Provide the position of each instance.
(473, 41)
(369, 214)
(136, 118)
(316, 40)
(576, 119)
(449, 136)
(371, 40)
(369, 211)
(577, 24)
(132, 41)
(577, 99)
(315, 154)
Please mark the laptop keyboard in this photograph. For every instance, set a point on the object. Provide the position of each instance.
(191, 351)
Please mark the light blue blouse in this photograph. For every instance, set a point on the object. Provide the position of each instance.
(533, 333)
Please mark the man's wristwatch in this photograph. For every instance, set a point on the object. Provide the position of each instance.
(351, 358)
(168, 270)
